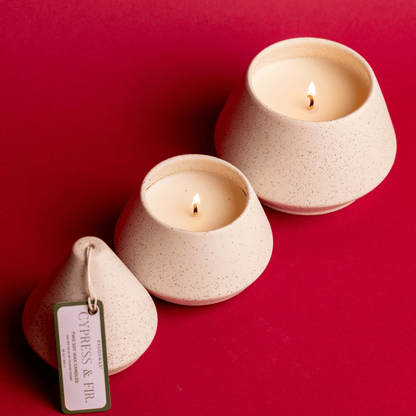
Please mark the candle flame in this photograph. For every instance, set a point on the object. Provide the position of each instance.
(311, 90)
(195, 203)
(311, 95)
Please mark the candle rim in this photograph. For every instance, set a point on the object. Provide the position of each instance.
(251, 90)
(145, 186)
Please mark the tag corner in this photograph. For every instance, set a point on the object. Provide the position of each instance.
(106, 407)
(56, 307)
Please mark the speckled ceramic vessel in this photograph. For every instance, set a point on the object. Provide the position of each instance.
(304, 167)
(187, 267)
(129, 311)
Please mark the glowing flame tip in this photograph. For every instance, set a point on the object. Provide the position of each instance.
(311, 89)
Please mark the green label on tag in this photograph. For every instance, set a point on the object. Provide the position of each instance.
(82, 358)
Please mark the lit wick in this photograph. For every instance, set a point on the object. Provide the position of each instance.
(195, 203)
(311, 95)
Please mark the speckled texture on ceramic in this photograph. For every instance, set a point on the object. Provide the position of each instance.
(194, 268)
(304, 167)
(129, 311)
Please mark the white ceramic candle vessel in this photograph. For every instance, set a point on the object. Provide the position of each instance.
(304, 160)
(129, 311)
(188, 257)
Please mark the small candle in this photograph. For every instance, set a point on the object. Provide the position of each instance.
(283, 86)
(171, 199)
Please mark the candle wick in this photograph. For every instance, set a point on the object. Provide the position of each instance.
(195, 209)
(312, 101)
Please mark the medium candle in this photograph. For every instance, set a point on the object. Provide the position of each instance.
(190, 252)
(283, 86)
(171, 200)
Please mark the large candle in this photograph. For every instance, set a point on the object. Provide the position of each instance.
(171, 200)
(305, 159)
(283, 86)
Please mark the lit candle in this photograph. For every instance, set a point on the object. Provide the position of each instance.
(281, 85)
(194, 259)
(299, 159)
(170, 199)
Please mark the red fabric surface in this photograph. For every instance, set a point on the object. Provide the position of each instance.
(93, 94)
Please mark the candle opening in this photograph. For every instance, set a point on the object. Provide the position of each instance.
(311, 95)
(195, 203)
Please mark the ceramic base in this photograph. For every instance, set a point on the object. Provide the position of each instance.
(304, 210)
(194, 302)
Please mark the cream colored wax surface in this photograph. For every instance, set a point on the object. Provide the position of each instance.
(170, 199)
(283, 86)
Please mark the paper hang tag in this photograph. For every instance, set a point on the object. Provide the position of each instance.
(82, 358)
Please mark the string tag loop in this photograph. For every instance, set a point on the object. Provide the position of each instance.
(92, 298)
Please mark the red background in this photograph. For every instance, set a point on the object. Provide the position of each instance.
(93, 94)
